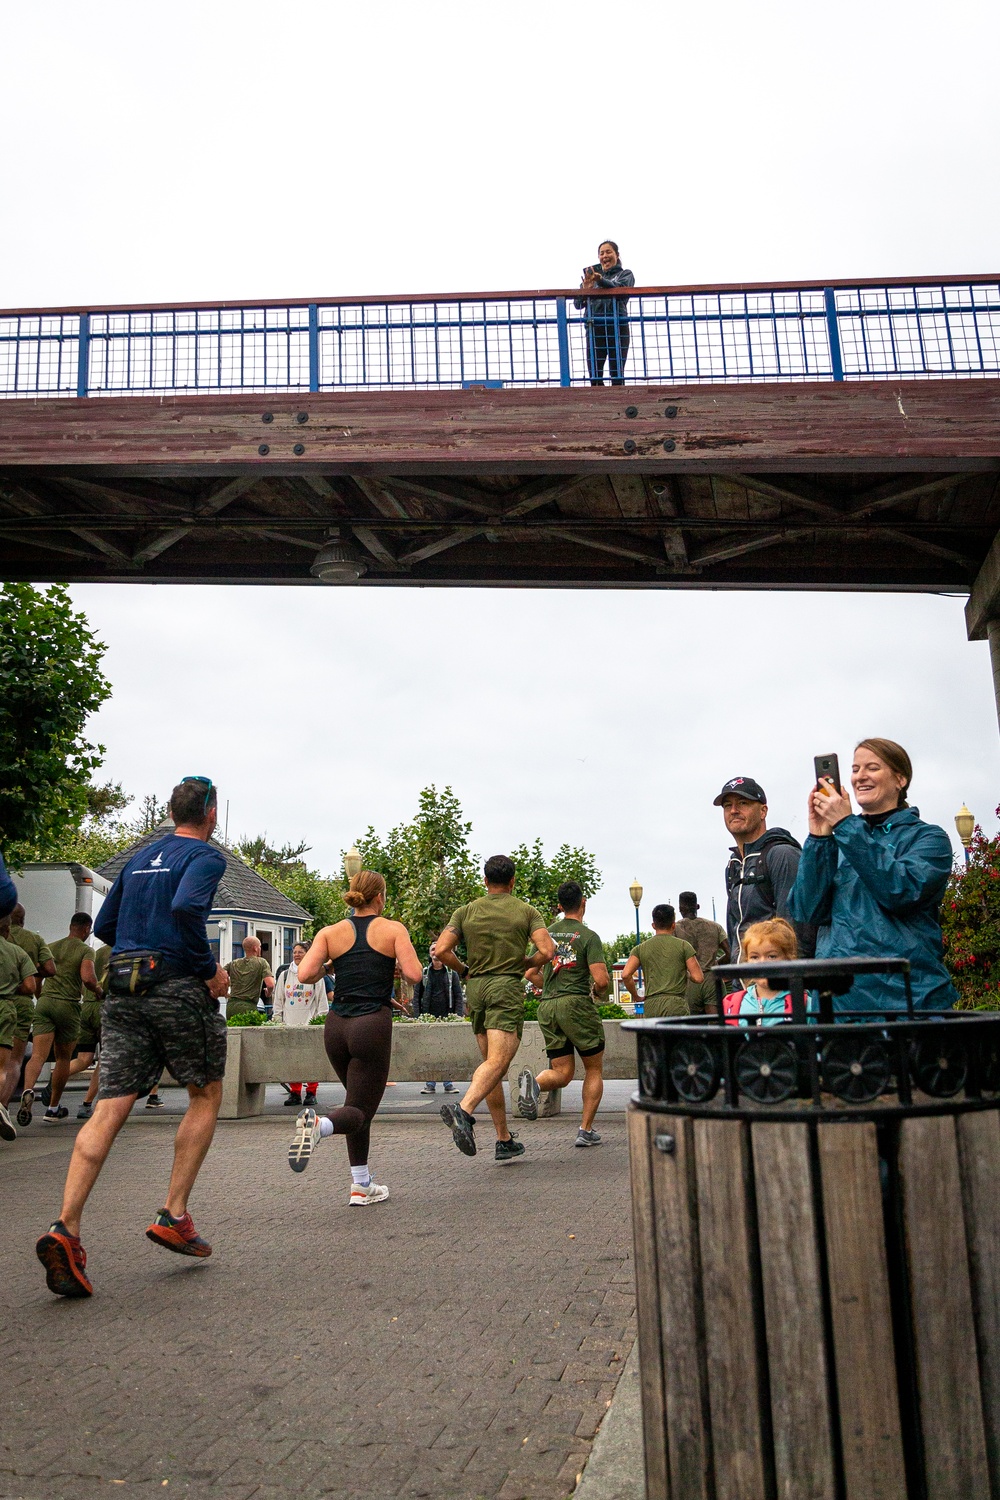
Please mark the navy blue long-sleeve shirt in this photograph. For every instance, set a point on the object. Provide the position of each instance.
(8, 892)
(162, 900)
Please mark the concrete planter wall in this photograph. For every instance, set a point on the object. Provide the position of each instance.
(259, 1055)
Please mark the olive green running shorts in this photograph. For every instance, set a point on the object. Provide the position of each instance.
(495, 1002)
(568, 1022)
(665, 1005)
(8, 1021)
(61, 1017)
(25, 1007)
(90, 1025)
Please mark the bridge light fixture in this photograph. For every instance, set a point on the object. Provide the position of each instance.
(338, 562)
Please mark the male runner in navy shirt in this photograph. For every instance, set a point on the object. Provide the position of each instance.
(161, 1012)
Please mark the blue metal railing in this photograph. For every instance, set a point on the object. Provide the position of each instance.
(935, 329)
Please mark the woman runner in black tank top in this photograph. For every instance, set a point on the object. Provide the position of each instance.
(365, 951)
(364, 977)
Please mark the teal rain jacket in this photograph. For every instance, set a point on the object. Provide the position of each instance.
(874, 891)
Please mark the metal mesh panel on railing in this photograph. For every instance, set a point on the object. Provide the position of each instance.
(661, 338)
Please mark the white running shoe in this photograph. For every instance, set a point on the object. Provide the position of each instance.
(7, 1131)
(305, 1140)
(375, 1192)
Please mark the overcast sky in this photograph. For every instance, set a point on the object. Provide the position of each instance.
(216, 150)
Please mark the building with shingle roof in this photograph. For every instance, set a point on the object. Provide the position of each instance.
(246, 905)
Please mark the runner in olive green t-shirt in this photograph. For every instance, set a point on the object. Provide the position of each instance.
(667, 964)
(57, 1017)
(34, 945)
(568, 1015)
(246, 975)
(16, 978)
(496, 930)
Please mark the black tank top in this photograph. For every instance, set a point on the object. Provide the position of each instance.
(364, 977)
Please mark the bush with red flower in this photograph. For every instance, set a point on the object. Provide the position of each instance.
(970, 921)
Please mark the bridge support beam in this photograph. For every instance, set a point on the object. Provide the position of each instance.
(982, 613)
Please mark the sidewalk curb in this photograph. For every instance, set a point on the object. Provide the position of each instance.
(616, 1469)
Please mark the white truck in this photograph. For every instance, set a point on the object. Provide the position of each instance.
(51, 893)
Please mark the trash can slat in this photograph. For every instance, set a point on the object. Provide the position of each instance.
(979, 1159)
(941, 1298)
(793, 1302)
(737, 1383)
(679, 1279)
(640, 1138)
(870, 1430)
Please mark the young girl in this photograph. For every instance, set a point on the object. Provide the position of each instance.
(762, 941)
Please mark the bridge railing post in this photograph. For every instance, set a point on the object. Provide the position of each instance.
(83, 356)
(313, 347)
(833, 330)
(562, 329)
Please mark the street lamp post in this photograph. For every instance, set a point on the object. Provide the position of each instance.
(353, 863)
(965, 822)
(635, 891)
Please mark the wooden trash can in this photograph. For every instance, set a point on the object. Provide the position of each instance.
(818, 1274)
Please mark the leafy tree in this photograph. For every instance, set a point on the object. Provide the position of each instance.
(50, 683)
(538, 879)
(105, 800)
(970, 921)
(427, 865)
(265, 857)
(622, 945)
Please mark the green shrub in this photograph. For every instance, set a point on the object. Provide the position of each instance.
(246, 1018)
(970, 923)
(531, 1009)
(610, 1010)
(318, 1021)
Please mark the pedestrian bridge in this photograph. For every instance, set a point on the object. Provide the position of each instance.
(844, 435)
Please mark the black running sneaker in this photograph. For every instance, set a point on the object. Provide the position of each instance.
(461, 1126)
(510, 1149)
(65, 1262)
(55, 1116)
(528, 1094)
(45, 1094)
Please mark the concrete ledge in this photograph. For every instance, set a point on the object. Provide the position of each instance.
(258, 1055)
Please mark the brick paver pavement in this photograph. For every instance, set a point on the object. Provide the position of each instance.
(461, 1341)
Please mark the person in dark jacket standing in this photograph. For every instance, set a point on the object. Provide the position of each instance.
(607, 317)
(438, 993)
(873, 881)
(762, 865)
(162, 1012)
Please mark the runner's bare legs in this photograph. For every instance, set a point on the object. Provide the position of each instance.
(498, 1049)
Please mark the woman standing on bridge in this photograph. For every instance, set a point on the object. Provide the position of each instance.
(365, 950)
(873, 881)
(607, 317)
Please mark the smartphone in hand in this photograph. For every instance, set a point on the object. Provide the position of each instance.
(826, 765)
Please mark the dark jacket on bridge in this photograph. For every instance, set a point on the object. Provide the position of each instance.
(874, 888)
(608, 309)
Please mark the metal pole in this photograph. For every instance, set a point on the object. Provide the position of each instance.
(562, 331)
(83, 356)
(833, 329)
(313, 347)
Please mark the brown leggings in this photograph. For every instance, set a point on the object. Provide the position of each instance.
(359, 1047)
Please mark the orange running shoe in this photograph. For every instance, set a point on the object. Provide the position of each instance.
(178, 1235)
(65, 1262)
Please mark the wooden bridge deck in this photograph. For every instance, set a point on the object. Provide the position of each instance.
(859, 485)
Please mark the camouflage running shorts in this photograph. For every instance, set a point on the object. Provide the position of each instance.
(176, 1026)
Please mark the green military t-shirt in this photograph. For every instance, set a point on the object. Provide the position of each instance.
(577, 947)
(496, 931)
(664, 964)
(15, 966)
(66, 984)
(102, 959)
(33, 944)
(246, 975)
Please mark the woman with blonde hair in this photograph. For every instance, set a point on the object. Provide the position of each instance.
(872, 881)
(365, 950)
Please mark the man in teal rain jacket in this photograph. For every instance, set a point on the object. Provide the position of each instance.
(873, 882)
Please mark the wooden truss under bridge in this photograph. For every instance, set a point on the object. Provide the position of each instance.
(860, 485)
